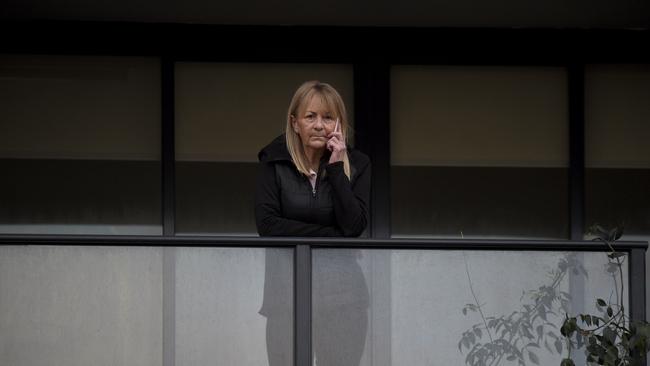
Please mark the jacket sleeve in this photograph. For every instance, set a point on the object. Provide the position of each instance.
(268, 213)
(351, 201)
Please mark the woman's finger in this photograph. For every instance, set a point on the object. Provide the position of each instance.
(338, 145)
(337, 134)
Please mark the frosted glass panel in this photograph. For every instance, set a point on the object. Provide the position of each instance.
(226, 113)
(417, 308)
(80, 306)
(220, 294)
(80, 145)
(479, 152)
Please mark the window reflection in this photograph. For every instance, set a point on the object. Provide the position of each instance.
(479, 152)
(80, 145)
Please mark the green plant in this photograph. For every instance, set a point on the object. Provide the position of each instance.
(517, 337)
(610, 337)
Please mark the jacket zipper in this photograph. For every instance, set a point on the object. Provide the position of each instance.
(318, 177)
(313, 189)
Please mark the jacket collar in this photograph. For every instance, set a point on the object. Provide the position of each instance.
(275, 151)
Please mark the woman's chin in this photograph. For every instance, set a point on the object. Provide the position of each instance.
(317, 144)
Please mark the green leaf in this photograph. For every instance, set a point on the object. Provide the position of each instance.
(601, 302)
(567, 362)
(592, 341)
(533, 358)
(609, 335)
(613, 350)
(569, 327)
(564, 330)
(610, 312)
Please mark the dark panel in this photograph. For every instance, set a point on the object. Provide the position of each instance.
(619, 197)
(214, 197)
(518, 202)
(98, 192)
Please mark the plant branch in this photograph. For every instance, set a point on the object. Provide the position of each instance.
(478, 305)
(556, 281)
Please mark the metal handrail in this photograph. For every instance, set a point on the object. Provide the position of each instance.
(356, 243)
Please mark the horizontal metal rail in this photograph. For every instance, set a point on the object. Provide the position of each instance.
(356, 243)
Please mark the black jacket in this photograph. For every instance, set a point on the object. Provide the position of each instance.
(286, 204)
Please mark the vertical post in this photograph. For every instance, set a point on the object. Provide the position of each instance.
(169, 306)
(168, 148)
(637, 284)
(168, 214)
(576, 75)
(372, 119)
(576, 183)
(372, 131)
(302, 306)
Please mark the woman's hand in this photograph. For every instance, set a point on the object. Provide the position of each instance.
(336, 144)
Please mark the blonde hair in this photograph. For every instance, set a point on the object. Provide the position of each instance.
(333, 102)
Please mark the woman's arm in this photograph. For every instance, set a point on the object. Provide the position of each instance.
(351, 201)
(268, 214)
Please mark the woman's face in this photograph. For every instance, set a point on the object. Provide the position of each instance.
(314, 124)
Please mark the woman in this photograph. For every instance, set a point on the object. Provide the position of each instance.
(312, 184)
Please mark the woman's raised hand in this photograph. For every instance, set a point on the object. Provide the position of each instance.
(336, 144)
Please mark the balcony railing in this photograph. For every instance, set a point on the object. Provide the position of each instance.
(104, 300)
